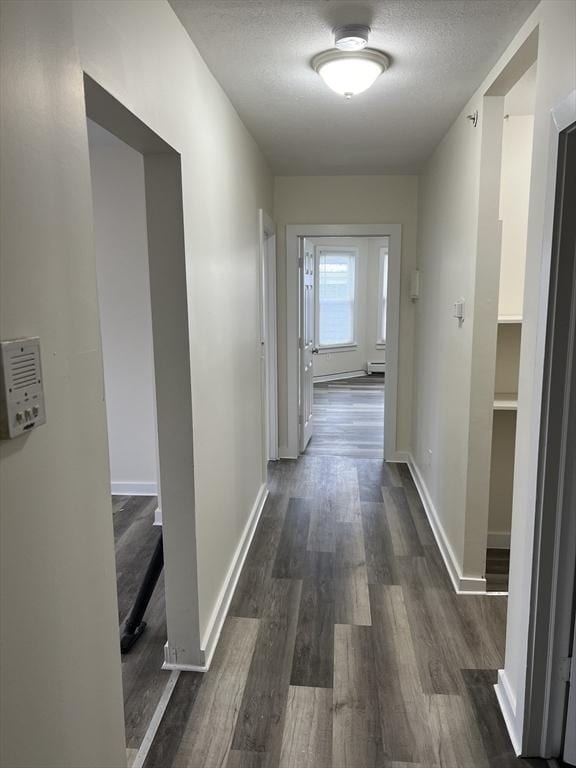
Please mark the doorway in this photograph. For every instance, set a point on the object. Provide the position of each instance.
(348, 333)
(335, 250)
(121, 250)
(172, 402)
(496, 400)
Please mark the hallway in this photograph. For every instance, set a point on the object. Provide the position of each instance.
(345, 644)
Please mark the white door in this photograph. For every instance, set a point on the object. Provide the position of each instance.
(268, 353)
(306, 270)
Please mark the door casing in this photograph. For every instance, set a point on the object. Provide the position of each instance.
(554, 560)
(294, 233)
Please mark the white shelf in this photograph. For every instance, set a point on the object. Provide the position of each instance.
(506, 401)
(517, 319)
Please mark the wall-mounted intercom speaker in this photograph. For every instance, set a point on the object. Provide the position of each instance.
(21, 387)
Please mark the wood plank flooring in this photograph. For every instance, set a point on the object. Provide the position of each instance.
(497, 569)
(345, 645)
(349, 418)
(143, 679)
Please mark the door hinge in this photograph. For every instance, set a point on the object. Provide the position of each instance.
(300, 261)
(566, 670)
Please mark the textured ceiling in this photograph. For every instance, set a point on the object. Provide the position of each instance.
(260, 51)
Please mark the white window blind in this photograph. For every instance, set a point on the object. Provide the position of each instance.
(336, 297)
(382, 294)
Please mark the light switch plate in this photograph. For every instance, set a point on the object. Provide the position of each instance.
(21, 387)
(459, 310)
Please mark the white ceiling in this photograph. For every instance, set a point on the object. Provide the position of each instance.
(260, 51)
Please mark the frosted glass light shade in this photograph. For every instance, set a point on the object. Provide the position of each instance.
(350, 73)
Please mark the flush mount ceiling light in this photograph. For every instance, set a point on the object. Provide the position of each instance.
(350, 72)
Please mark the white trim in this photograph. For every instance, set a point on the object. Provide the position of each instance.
(154, 723)
(293, 233)
(468, 585)
(339, 376)
(498, 540)
(134, 489)
(507, 704)
(541, 708)
(343, 346)
(175, 667)
(158, 516)
(214, 628)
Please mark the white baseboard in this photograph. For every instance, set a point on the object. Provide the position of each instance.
(507, 703)
(134, 489)
(339, 376)
(157, 516)
(462, 584)
(214, 628)
(400, 457)
(498, 540)
(181, 667)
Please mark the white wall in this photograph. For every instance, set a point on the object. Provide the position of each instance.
(120, 241)
(329, 362)
(514, 192)
(448, 237)
(350, 200)
(61, 683)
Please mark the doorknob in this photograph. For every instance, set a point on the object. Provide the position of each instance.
(314, 350)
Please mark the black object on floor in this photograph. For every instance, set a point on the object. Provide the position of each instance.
(134, 625)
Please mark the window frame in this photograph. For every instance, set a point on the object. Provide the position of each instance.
(354, 251)
(382, 301)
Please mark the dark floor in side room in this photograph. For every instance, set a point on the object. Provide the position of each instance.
(143, 679)
(497, 568)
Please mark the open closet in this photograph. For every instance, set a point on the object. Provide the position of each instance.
(516, 162)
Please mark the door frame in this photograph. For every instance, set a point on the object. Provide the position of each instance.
(171, 345)
(554, 559)
(268, 338)
(294, 233)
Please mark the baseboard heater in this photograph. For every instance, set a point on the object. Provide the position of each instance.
(376, 367)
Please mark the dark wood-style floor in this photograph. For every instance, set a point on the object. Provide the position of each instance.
(143, 679)
(345, 645)
(497, 569)
(349, 418)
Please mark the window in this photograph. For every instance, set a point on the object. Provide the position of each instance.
(382, 293)
(336, 296)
